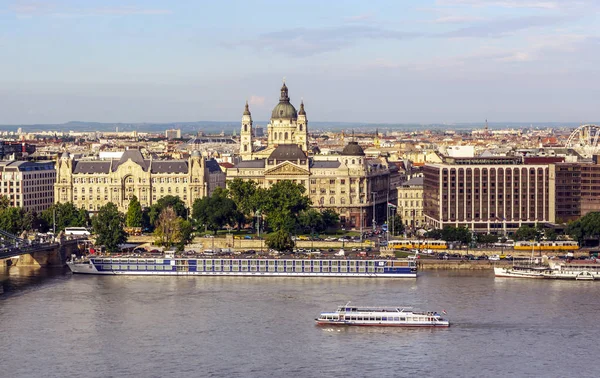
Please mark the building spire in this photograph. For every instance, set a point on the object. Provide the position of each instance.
(284, 93)
(246, 109)
(302, 111)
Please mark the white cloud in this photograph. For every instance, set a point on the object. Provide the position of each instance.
(456, 19)
(541, 4)
(256, 100)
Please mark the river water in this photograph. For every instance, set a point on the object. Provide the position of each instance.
(54, 324)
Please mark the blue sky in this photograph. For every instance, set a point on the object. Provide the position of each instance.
(357, 61)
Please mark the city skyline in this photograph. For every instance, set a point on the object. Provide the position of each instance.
(444, 61)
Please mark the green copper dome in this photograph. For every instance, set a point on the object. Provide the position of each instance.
(284, 109)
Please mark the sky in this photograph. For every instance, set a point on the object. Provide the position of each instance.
(396, 61)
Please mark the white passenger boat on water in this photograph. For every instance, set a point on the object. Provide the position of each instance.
(381, 317)
(574, 270)
(171, 265)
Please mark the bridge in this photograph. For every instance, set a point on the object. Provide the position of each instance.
(44, 250)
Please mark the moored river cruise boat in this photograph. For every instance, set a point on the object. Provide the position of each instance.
(170, 265)
(574, 270)
(382, 317)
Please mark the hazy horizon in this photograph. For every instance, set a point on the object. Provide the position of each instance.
(378, 62)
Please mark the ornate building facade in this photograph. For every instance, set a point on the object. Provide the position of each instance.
(348, 183)
(91, 184)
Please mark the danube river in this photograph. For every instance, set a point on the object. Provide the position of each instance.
(58, 325)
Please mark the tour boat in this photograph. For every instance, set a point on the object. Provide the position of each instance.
(521, 271)
(574, 270)
(381, 317)
(169, 264)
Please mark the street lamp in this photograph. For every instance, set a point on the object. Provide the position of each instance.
(374, 223)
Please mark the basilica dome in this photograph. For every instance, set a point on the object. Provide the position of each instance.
(284, 110)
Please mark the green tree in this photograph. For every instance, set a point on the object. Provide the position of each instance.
(216, 211)
(167, 201)
(456, 234)
(487, 238)
(550, 234)
(108, 227)
(526, 233)
(398, 225)
(243, 193)
(280, 240)
(66, 215)
(186, 234)
(434, 234)
(311, 220)
(134, 213)
(167, 230)
(586, 227)
(283, 203)
(15, 220)
(330, 218)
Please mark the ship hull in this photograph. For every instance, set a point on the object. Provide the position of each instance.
(303, 269)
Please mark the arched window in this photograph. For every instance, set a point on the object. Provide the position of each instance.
(245, 128)
(332, 201)
(245, 148)
(300, 127)
(322, 201)
(343, 201)
(286, 135)
(353, 161)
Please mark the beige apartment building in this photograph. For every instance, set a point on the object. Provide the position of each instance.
(410, 203)
(91, 184)
(28, 184)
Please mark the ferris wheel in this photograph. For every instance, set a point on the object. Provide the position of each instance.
(584, 140)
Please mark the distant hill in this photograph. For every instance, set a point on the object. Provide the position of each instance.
(211, 127)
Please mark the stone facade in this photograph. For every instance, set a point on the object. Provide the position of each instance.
(91, 184)
(349, 183)
(410, 203)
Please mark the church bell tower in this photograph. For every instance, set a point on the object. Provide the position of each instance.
(246, 135)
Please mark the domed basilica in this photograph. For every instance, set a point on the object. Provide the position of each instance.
(344, 182)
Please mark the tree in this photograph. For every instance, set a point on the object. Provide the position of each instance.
(216, 211)
(14, 220)
(108, 227)
(280, 240)
(167, 230)
(66, 215)
(134, 213)
(487, 238)
(284, 201)
(459, 234)
(243, 193)
(311, 221)
(526, 233)
(167, 201)
(185, 232)
(397, 224)
(586, 227)
(434, 234)
(330, 218)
